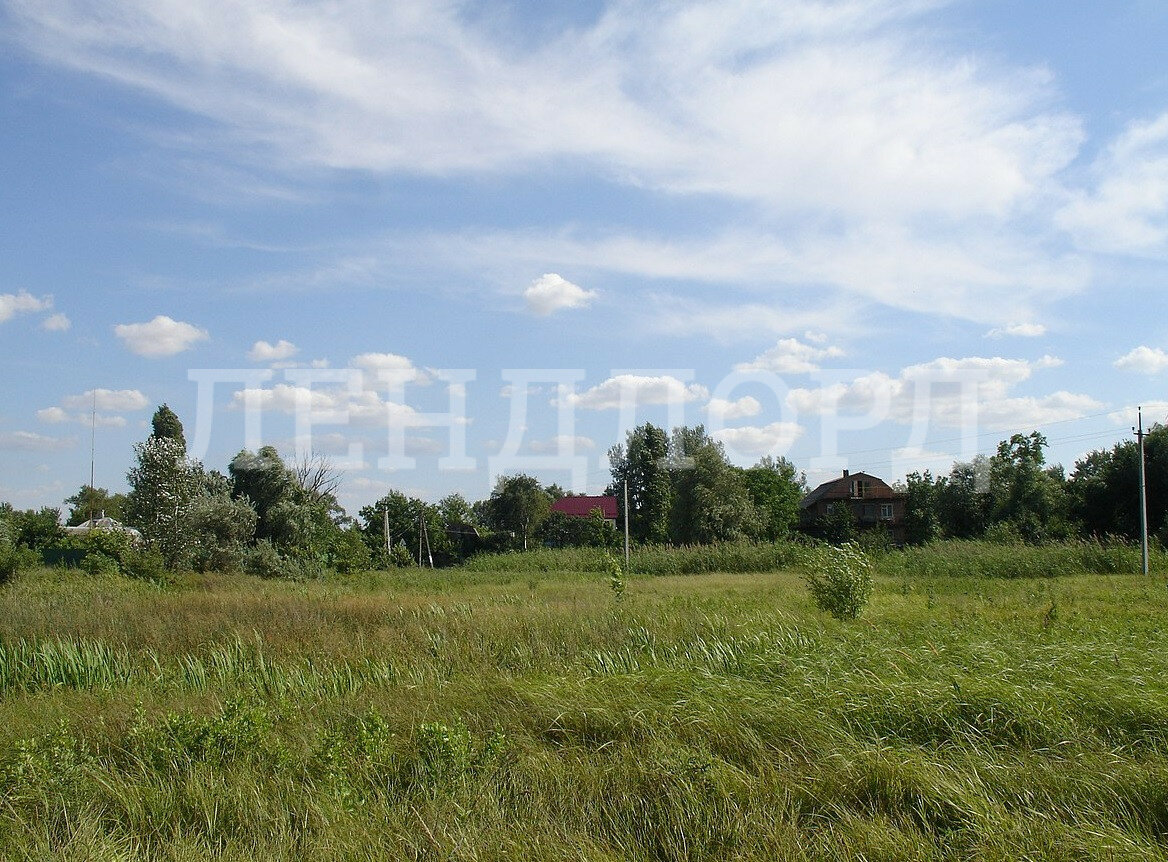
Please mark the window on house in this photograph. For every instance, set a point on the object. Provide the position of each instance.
(860, 487)
(886, 511)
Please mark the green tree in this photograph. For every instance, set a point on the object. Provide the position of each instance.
(518, 504)
(962, 499)
(642, 462)
(93, 502)
(163, 484)
(710, 497)
(165, 424)
(36, 529)
(1103, 489)
(406, 517)
(1024, 493)
(775, 489)
(922, 524)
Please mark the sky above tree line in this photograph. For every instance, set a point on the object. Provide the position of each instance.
(439, 241)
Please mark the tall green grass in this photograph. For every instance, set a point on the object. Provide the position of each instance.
(730, 557)
(980, 559)
(703, 717)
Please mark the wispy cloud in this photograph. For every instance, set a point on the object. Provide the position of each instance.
(847, 132)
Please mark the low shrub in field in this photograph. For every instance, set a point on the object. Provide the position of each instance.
(13, 559)
(840, 580)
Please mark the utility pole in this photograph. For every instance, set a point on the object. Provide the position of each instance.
(388, 537)
(628, 570)
(1139, 429)
(92, 451)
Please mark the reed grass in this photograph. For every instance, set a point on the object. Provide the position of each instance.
(528, 714)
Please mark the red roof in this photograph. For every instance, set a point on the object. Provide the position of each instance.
(581, 507)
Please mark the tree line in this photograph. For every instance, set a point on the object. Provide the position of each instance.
(273, 518)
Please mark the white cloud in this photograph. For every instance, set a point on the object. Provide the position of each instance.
(328, 404)
(57, 416)
(1127, 210)
(755, 441)
(12, 304)
(262, 351)
(109, 400)
(389, 369)
(162, 336)
(561, 444)
(53, 415)
(948, 392)
(56, 323)
(873, 158)
(790, 356)
(632, 389)
(722, 409)
(1018, 330)
(1154, 411)
(1143, 360)
(27, 441)
(551, 292)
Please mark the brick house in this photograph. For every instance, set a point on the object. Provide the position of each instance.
(872, 500)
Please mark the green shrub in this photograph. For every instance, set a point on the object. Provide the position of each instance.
(13, 559)
(97, 563)
(840, 580)
(145, 565)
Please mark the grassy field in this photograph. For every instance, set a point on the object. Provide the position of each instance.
(495, 714)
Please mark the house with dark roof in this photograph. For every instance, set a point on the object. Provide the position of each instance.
(583, 506)
(871, 500)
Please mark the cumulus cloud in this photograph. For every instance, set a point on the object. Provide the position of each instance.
(551, 292)
(627, 390)
(722, 409)
(389, 369)
(327, 404)
(109, 403)
(949, 392)
(1018, 330)
(56, 323)
(790, 356)
(53, 415)
(1143, 360)
(282, 350)
(754, 441)
(162, 336)
(12, 304)
(109, 400)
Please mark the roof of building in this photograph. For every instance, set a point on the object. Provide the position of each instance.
(583, 506)
(101, 524)
(840, 488)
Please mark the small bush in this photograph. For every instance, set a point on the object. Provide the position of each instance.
(264, 561)
(13, 559)
(145, 565)
(840, 580)
(97, 563)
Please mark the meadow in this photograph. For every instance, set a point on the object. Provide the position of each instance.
(981, 708)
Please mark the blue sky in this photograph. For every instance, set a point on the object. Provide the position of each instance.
(440, 240)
